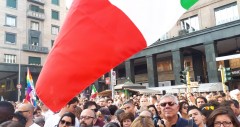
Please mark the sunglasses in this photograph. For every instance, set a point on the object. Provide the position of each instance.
(66, 122)
(165, 103)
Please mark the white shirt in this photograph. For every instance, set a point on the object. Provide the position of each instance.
(34, 125)
(53, 120)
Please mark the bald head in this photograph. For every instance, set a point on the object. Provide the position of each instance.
(26, 107)
(88, 112)
(87, 118)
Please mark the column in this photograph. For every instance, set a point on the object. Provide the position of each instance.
(129, 66)
(198, 67)
(210, 53)
(152, 71)
(178, 64)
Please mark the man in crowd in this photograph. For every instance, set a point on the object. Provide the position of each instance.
(200, 101)
(153, 99)
(143, 103)
(102, 102)
(6, 111)
(109, 102)
(27, 111)
(196, 115)
(53, 120)
(87, 118)
(169, 108)
(94, 107)
(129, 107)
(191, 99)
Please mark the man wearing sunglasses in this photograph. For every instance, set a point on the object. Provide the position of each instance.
(27, 111)
(169, 108)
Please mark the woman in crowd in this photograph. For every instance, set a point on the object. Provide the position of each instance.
(126, 119)
(67, 120)
(183, 107)
(155, 115)
(222, 116)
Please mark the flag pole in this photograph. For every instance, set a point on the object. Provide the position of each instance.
(113, 82)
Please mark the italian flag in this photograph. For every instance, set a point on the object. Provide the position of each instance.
(97, 35)
(94, 92)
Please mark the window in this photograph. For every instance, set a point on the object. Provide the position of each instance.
(34, 60)
(226, 13)
(10, 20)
(56, 2)
(10, 38)
(12, 3)
(35, 41)
(190, 24)
(55, 15)
(55, 29)
(36, 8)
(34, 26)
(9, 58)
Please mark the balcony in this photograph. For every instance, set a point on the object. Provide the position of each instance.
(34, 48)
(41, 2)
(35, 15)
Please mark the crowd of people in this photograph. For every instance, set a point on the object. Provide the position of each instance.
(170, 110)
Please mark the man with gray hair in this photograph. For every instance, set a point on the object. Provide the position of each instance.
(169, 108)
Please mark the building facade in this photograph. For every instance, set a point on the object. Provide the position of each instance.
(206, 36)
(28, 29)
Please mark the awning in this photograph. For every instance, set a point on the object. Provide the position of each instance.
(129, 86)
(145, 91)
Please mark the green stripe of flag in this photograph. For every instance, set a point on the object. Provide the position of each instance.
(186, 4)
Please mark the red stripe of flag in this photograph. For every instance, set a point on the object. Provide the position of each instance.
(95, 38)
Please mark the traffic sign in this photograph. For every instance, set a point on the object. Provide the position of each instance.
(19, 86)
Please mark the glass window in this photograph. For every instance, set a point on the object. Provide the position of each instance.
(10, 20)
(190, 24)
(55, 29)
(34, 60)
(10, 38)
(56, 2)
(36, 8)
(35, 41)
(12, 3)
(226, 13)
(55, 15)
(34, 26)
(9, 58)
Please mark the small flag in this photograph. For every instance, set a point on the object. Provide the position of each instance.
(30, 95)
(94, 92)
(98, 35)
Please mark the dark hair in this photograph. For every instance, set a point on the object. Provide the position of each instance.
(109, 99)
(36, 109)
(201, 97)
(236, 103)
(117, 113)
(181, 104)
(153, 106)
(206, 109)
(193, 107)
(20, 117)
(111, 124)
(222, 111)
(227, 103)
(130, 101)
(89, 103)
(8, 110)
(68, 114)
(74, 100)
(154, 97)
(125, 116)
(112, 109)
(11, 124)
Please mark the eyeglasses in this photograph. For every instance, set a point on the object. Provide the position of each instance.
(208, 108)
(86, 117)
(95, 110)
(66, 122)
(224, 123)
(23, 111)
(165, 103)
